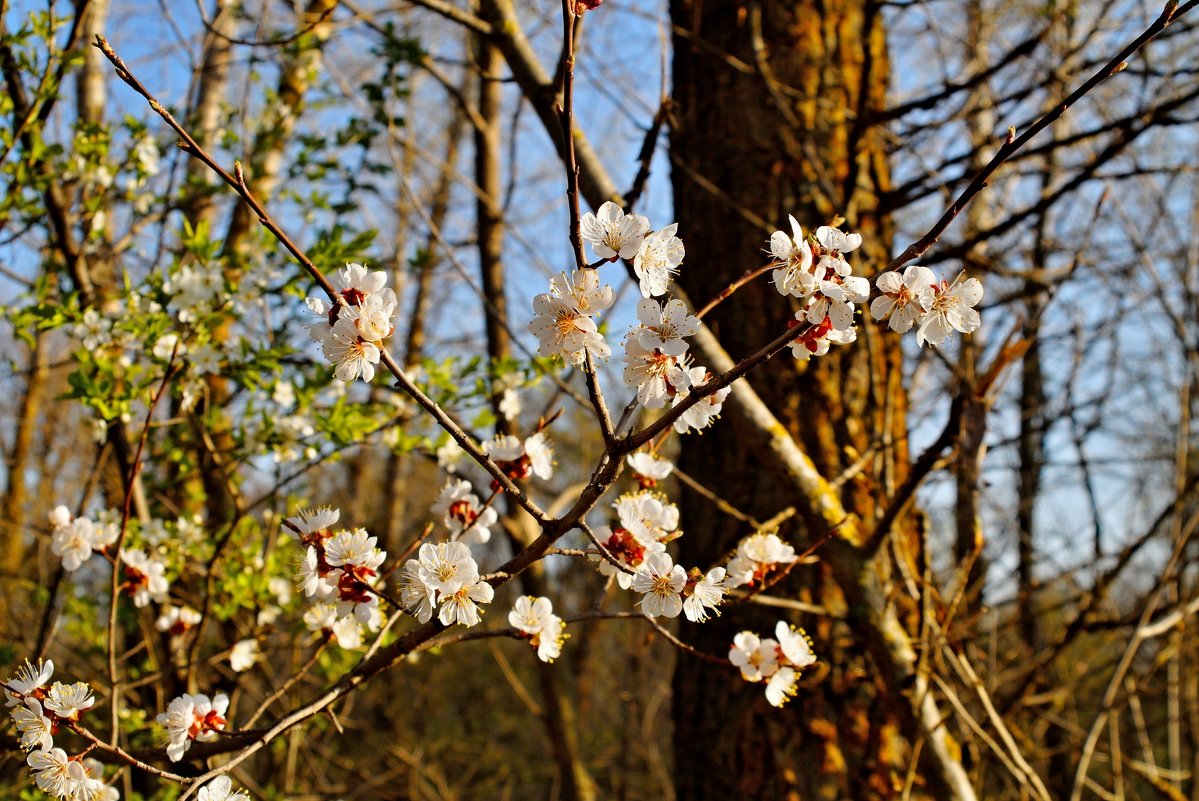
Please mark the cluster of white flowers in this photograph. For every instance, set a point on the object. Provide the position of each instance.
(286, 437)
(815, 271)
(563, 319)
(779, 662)
(667, 589)
(938, 307)
(76, 539)
(463, 513)
(70, 778)
(659, 368)
(647, 522)
(758, 556)
(351, 331)
(39, 709)
(444, 574)
(191, 718)
(614, 235)
(535, 619)
(338, 569)
(322, 617)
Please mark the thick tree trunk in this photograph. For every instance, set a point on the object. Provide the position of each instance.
(788, 133)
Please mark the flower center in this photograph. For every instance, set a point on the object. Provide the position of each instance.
(662, 586)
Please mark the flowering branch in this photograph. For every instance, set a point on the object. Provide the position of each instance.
(190, 146)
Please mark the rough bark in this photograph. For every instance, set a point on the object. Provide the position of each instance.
(794, 137)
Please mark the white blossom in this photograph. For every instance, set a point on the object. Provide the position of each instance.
(68, 700)
(793, 256)
(647, 516)
(504, 448)
(244, 654)
(95, 330)
(34, 729)
(51, 771)
(706, 593)
(311, 579)
(817, 341)
(531, 615)
(625, 549)
(834, 244)
(192, 717)
(168, 345)
(308, 525)
(562, 320)
(612, 233)
(541, 455)
(352, 356)
(706, 409)
(450, 456)
(780, 687)
(220, 789)
(663, 327)
(204, 360)
(177, 619)
(446, 567)
(418, 598)
(660, 581)
(354, 550)
(756, 555)
(658, 260)
(461, 606)
(28, 681)
(794, 645)
(904, 300)
(835, 300)
(950, 309)
(145, 577)
(757, 658)
(549, 640)
(195, 290)
(510, 405)
(74, 543)
(463, 514)
(656, 376)
(646, 466)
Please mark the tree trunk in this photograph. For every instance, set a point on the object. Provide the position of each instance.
(789, 133)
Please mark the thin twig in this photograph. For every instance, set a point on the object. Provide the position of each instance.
(982, 179)
(115, 584)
